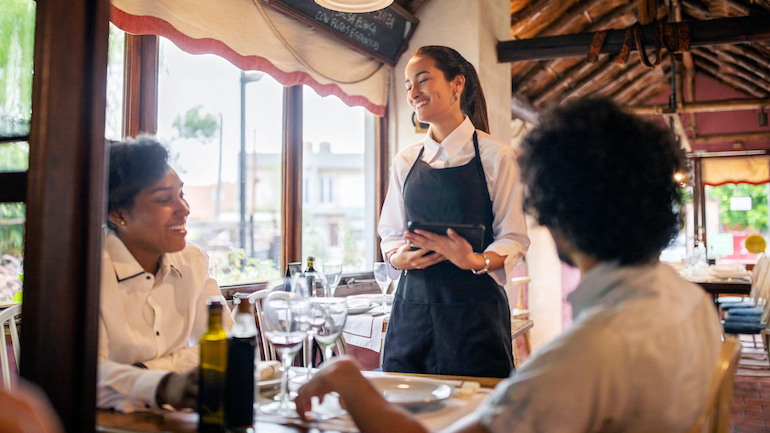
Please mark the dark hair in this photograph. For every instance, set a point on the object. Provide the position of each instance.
(604, 178)
(452, 64)
(135, 164)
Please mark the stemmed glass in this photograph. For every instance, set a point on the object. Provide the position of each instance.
(285, 323)
(383, 280)
(333, 273)
(301, 287)
(336, 313)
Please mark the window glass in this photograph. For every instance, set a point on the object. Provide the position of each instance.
(199, 119)
(113, 122)
(17, 27)
(338, 170)
(682, 244)
(733, 213)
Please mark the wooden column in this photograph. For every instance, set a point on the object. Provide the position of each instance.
(291, 179)
(140, 85)
(65, 206)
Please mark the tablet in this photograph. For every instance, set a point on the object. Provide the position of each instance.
(474, 234)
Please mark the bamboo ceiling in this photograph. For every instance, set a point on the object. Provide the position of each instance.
(744, 67)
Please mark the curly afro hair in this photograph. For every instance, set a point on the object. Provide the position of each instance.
(135, 164)
(605, 178)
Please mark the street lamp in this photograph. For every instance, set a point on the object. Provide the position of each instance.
(246, 77)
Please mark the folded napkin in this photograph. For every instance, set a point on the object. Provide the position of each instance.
(266, 370)
(359, 302)
(364, 330)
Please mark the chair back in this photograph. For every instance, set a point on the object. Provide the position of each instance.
(760, 280)
(715, 416)
(268, 351)
(8, 317)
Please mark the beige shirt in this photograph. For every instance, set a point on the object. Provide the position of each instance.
(502, 176)
(155, 320)
(639, 357)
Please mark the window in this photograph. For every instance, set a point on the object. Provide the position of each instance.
(235, 217)
(17, 25)
(338, 153)
(733, 213)
(113, 119)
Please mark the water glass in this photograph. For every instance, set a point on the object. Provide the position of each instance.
(336, 314)
(333, 273)
(285, 326)
(383, 280)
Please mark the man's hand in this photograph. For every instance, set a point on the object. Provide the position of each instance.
(179, 390)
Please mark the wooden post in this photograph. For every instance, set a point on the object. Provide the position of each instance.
(65, 206)
(140, 85)
(647, 12)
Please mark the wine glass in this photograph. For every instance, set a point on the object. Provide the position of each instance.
(301, 287)
(383, 280)
(333, 273)
(286, 324)
(336, 313)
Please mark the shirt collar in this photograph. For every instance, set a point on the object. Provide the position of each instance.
(599, 281)
(453, 144)
(124, 263)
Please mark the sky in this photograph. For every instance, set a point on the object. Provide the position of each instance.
(186, 81)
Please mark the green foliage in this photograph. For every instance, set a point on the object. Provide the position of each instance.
(196, 126)
(754, 220)
(352, 256)
(17, 27)
(12, 229)
(14, 157)
(236, 267)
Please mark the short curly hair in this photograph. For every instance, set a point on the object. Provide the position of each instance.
(135, 164)
(604, 178)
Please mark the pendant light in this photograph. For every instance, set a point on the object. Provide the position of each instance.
(354, 6)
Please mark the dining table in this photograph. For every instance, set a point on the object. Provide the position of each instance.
(438, 416)
(731, 286)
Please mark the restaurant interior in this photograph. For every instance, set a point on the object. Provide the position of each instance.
(258, 79)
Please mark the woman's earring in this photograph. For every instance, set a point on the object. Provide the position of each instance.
(122, 223)
(456, 97)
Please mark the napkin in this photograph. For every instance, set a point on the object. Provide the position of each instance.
(359, 303)
(267, 369)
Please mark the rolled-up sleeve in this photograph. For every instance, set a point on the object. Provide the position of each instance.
(509, 225)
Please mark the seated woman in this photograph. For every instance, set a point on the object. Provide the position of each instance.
(154, 286)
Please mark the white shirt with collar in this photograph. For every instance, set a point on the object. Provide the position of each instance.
(639, 357)
(502, 175)
(155, 320)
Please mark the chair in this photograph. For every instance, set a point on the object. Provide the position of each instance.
(520, 313)
(753, 324)
(8, 316)
(715, 416)
(756, 297)
(268, 351)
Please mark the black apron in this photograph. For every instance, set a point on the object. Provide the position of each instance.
(446, 320)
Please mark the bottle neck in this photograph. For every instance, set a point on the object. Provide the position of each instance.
(215, 320)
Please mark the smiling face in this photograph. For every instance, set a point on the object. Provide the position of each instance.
(156, 223)
(431, 95)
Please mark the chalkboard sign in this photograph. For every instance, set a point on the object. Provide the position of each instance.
(382, 34)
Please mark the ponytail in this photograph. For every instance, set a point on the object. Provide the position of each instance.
(452, 64)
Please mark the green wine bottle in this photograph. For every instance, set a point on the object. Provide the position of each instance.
(211, 374)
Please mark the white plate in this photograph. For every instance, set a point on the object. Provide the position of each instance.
(360, 309)
(274, 380)
(375, 298)
(411, 391)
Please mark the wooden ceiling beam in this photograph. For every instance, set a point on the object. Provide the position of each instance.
(643, 91)
(704, 65)
(607, 20)
(712, 55)
(567, 79)
(712, 32)
(706, 106)
(647, 11)
(725, 138)
(630, 73)
(599, 72)
(625, 93)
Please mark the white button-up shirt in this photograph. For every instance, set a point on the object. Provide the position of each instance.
(155, 320)
(639, 357)
(502, 176)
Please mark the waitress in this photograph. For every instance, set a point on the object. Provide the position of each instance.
(450, 313)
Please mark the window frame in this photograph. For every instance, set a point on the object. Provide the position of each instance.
(140, 115)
